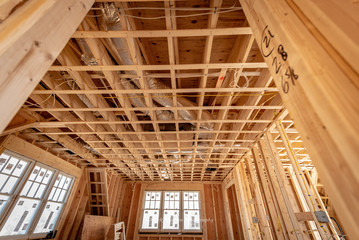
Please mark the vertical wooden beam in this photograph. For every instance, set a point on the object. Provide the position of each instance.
(304, 186)
(274, 157)
(30, 40)
(262, 219)
(276, 221)
(306, 62)
(285, 205)
(245, 201)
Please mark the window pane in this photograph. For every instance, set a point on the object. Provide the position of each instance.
(58, 192)
(48, 217)
(150, 219)
(191, 200)
(40, 191)
(34, 173)
(191, 220)
(152, 200)
(10, 166)
(54, 204)
(11, 170)
(37, 182)
(170, 219)
(47, 177)
(191, 213)
(20, 167)
(3, 160)
(151, 213)
(3, 179)
(33, 189)
(20, 217)
(9, 185)
(3, 201)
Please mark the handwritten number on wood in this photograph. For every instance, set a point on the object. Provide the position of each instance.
(266, 40)
(282, 52)
(277, 64)
(285, 85)
(290, 74)
(267, 48)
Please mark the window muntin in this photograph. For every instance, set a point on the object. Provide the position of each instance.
(11, 169)
(151, 212)
(177, 211)
(191, 213)
(21, 217)
(25, 189)
(26, 207)
(54, 205)
(171, 211)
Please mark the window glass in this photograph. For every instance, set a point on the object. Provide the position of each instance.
(11, 170)
(171, 211)
(3, 201)
(48, 217)
(33, 198)
(177, 211)
(21, 217)
(191, 213)
(151, 211)
(54, 204)
(26, 207)
(37, 182)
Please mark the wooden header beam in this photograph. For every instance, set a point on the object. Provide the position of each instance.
(30, 40)
(317, 73)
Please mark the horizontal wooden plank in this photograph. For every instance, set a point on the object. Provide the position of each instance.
(158, 91)
(164, 33)
(159, 67)
(154, 109)
(304, 216)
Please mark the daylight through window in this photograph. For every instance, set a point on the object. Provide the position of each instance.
(171, 211)
(37, 192)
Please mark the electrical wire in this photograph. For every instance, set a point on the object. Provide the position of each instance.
(179, 16)
(176, 16)
(174, 8)
(206, 95)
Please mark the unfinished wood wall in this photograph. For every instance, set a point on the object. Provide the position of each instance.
(212, 209)
(72, 226)
(277, 199)
(308, 46)
(99, 193)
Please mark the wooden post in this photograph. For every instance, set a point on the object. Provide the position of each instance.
(30, 40)
(247, 225)
(276, 218)
(304, 186)
(264, 223)
(316, 72)
(251, 205)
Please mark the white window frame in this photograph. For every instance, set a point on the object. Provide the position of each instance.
(16, 195)
(161, 213)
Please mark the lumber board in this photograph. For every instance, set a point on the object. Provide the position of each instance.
(96, 227)
(325, 112)
(163, 33)
(31, 38)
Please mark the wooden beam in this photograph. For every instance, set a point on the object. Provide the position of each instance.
(30, 40)
(229, 91)
(306, 60)
(163, 33)
(25, 148)
(159, 67)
